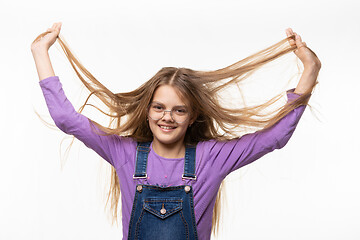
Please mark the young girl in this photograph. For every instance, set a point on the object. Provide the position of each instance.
(169, 156)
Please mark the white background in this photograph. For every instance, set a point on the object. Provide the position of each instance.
(307, 190)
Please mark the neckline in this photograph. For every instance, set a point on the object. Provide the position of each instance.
(164, 158)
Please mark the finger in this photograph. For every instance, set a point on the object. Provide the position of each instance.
(56, 28)
(59, 26)
(289, 34)
(291, 31)
(292, 42)
(298, 40)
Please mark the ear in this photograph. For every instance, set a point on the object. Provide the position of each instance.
(193, 119)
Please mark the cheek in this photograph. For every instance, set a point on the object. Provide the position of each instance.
(152, 125)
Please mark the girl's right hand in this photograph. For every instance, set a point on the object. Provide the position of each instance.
(45, 40)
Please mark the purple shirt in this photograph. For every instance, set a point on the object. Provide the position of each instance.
(214, 159)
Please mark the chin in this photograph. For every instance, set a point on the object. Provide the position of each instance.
(167, 139)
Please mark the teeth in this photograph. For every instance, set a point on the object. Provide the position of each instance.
(166, 127)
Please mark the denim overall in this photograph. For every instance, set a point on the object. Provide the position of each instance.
(165, 213)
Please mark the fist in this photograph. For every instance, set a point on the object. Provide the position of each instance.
(304, 53)
(45, 40)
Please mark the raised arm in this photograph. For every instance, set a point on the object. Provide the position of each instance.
(60, 108)
(250, 147)
(40, 53)
(310, 61)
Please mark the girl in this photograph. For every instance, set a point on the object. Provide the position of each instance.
(175, 143)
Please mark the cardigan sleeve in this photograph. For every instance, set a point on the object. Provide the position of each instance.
(228, 156)
(71, 122)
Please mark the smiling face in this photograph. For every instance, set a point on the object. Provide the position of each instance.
(165, 130)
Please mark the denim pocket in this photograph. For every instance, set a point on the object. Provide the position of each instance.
(163, 207)
(162, 218)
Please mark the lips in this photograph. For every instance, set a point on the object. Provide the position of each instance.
(166, 128)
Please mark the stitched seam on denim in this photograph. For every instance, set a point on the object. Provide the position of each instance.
(186, 164)
(186, 225)
(140, 148)
(132, 215)
(138, 223)
(193, 214)
(164, 188)
(136, 167)
(190, 149)
(165, 215)
(189, 174)
(163, 200)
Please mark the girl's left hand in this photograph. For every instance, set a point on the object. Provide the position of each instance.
(305, 54)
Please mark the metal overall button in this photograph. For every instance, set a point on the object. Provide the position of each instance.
(163, 210)
(187, 188)
(139, 188)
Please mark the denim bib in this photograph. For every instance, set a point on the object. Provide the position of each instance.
(165, 213)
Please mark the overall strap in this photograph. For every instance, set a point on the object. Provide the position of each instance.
(142, 151)
(189, 166)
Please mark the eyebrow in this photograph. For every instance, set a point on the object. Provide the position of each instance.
(164, 104)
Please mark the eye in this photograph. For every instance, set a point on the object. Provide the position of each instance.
(156, 107)
(180, 111)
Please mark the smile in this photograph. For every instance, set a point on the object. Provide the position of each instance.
(166, 128)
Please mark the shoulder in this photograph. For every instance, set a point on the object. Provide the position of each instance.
(124, 145)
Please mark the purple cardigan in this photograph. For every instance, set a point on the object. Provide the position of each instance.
(214, 159)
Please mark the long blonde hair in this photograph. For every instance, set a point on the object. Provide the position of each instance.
(201, 88)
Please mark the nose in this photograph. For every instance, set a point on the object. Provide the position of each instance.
(167, 117)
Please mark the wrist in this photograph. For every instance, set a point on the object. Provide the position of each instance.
(312, 67)
(39, 50)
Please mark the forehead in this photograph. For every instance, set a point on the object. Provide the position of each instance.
(169, 95)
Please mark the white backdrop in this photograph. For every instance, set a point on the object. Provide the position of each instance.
(307, 190)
